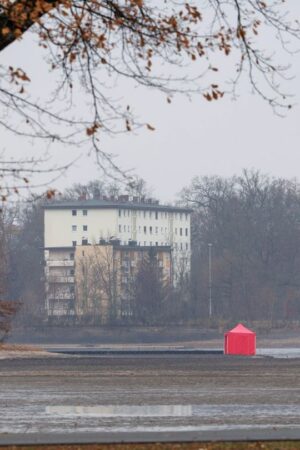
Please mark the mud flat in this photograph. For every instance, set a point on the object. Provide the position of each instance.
(197, 395)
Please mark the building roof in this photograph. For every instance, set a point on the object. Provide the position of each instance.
(113, 204)
(121, 247)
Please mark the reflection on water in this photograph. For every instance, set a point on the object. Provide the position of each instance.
(157, 411)
(279, 352)
(122, 410)
(38, 418)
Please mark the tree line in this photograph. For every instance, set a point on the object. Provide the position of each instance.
(251, 222)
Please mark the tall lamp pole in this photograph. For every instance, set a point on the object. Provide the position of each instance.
(210, 279)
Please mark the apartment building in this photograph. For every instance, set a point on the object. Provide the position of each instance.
(129, 226)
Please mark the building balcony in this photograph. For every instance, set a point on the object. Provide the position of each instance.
(60, 263)
(60, 296)
(60, 279)
(60, 312)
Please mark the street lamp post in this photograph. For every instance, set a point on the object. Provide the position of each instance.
(210, 280)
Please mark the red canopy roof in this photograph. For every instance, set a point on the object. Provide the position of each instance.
(240, 329)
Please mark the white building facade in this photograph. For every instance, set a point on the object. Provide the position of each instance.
(68, 224)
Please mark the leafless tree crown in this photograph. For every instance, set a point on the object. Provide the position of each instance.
(169, 46)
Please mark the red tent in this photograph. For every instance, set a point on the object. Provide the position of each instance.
(240, 341)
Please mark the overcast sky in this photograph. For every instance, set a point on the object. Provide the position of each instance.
(191, 137)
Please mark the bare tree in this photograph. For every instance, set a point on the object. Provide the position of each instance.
(26, 260)
(90, 45)
(253, 223)
(8, 309)
(96, 285)
(97, 189)
(150, 292)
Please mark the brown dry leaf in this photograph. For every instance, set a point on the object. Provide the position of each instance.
(18, 32)
(72, 57)
(150, 127)
(92, 130)
(208, 97)
(138, 3)
(5, 31)
(50, 194)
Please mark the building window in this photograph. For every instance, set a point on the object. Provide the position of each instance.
(150, 243)
(72, 272)
(128, 228)
(84, 242)
(186, 231)
(120, 228)
(74, 243)
(180, 245)
(74, 227)
(180, 216)
(145, 230)
(156, 215)
(84, 212)
(156, 230)
(124, 227)
(74, 212)
(186, 246)
(145, 214)
(72, 255)
(150, 230)
(84, 227)
(120, 212)
(156, 243)
(180, 231)
(145, 243)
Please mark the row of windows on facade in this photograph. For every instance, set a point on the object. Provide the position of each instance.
(145, 214)
(180, 231)
(177, 246)
(126, 228)
(76, 211)
(84, 227)
(153, 214)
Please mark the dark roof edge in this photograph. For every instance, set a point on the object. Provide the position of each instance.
(122, 247)
(59, 248)
(108, 205)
